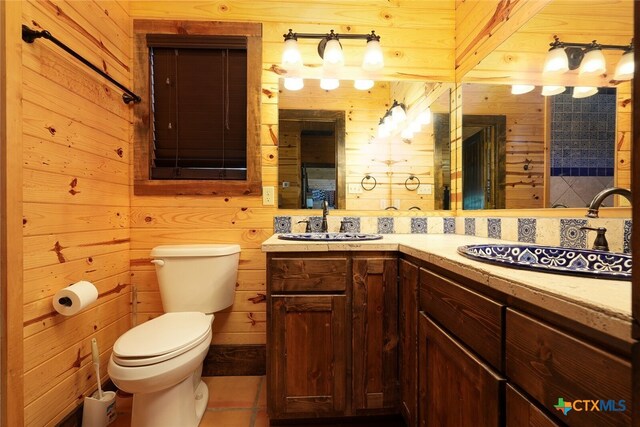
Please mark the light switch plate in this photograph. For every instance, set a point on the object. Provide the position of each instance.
(355, 189)
(424, 189)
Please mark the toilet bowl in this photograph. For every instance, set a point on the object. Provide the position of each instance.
(160, 361)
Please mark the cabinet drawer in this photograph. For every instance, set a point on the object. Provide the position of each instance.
(308, 274)
(474, 319)
(550, 365)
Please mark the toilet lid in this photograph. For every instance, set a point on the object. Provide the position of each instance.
(162, 338)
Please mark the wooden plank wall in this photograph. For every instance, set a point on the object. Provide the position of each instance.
(624, 140)
(76, 157)
(525, 138)
(417, 40)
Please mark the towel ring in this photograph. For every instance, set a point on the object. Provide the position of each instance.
(370, 187)
(411, 178)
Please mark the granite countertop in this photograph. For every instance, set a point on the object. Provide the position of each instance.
(601, 304)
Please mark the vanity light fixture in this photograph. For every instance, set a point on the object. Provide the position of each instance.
(330, 50)
(565, 56)
(552, 90)
(584, 91)
(521, 89)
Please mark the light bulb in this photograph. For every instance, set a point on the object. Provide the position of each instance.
(363, 84)
(556, 62)
(373, 59)
(593, 63)
(382, 130)
(415, 126)
(584, 91)
(521, 89)
(291, 57)
(293, 83)
(406, 133)
(332, 56)
(625, 67)
(329, 84)
(398, 114)
(552, 90)
(425, 117)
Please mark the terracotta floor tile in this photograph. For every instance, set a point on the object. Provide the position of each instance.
(230, 418)
(232, 392)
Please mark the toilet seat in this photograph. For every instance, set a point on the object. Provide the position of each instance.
(162, 338)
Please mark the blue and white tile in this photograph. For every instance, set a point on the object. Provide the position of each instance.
(470, 226)
(419, 225)
(449, 225)
(352, 224)
(402, 224)
(282, 224)
(385, 225)
(315, 222)
(527, 230)
(626, 239)
(494, 228)
(571, 235)
(435, 225)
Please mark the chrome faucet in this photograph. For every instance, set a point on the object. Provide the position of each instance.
(594, 206)
(325, 211)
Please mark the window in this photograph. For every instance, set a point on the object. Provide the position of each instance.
(196, 130)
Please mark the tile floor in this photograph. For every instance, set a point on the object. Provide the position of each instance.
(233, 402)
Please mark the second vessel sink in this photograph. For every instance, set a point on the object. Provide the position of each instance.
(553, 259)
(329, 237)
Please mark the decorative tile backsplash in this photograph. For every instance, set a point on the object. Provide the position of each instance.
(564, 232)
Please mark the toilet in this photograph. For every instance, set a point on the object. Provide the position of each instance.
(160, 361)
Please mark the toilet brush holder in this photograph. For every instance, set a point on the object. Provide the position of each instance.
(99, 412)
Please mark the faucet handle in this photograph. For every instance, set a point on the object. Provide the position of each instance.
(600, 243)
(307, 229)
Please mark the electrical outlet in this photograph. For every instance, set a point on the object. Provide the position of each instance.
(424, 189)
(268, 196)
(355, 189)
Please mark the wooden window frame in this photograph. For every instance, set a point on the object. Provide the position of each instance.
(142, 137)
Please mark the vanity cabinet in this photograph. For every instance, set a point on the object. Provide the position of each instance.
(332, 335)
(408, 324)
(458, 329)
(521, 412)
(375, 334)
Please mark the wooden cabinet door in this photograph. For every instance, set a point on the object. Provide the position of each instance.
(456, 388)
(408, 310)
(375, 334)
(307, 356)
(522, 413)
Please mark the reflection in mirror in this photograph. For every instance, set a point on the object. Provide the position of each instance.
(348, 164)
(571, 131)
(529, 151)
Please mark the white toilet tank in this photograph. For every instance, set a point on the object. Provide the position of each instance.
(196, 277)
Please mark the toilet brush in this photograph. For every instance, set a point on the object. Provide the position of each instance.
(96, 364)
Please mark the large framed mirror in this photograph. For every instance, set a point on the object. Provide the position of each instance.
(558, 150)
(329, 148)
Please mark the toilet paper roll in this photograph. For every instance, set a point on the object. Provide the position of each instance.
(72, 299)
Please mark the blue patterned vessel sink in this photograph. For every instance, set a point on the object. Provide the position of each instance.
(551, 259)
(329, 237)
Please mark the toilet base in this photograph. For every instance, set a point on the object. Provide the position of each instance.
(178, 406)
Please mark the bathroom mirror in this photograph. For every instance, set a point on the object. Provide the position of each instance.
(329, 148)
(551, 151)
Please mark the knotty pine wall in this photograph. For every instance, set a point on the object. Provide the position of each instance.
(417, 41)
(76, 168)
